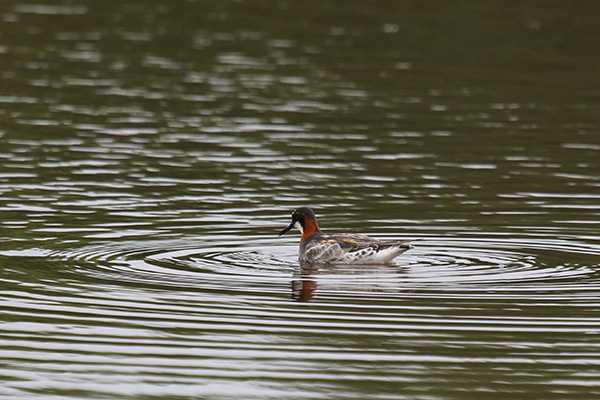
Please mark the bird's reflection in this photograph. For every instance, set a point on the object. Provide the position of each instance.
(308, 278)
(304, 283)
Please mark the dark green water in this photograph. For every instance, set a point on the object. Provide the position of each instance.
(150, 152)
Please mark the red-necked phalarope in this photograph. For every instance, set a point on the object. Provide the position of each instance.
(341, 248)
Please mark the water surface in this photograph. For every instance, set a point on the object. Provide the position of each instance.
(150, 152)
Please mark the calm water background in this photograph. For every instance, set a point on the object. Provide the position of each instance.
(150, 151)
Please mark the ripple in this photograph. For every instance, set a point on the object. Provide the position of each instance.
(137, 314)
(180, 265)
(503, 262)
(466, 265)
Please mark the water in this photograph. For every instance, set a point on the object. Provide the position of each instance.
(150, 153)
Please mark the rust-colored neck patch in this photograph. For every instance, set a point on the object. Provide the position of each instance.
(310, 228)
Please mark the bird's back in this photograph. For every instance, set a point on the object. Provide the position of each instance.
(346, 248)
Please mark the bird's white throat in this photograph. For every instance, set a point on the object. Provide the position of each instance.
(298, 225)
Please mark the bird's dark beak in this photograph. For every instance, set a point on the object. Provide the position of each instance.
(287, 229)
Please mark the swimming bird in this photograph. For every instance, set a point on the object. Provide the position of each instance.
(341, 248)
